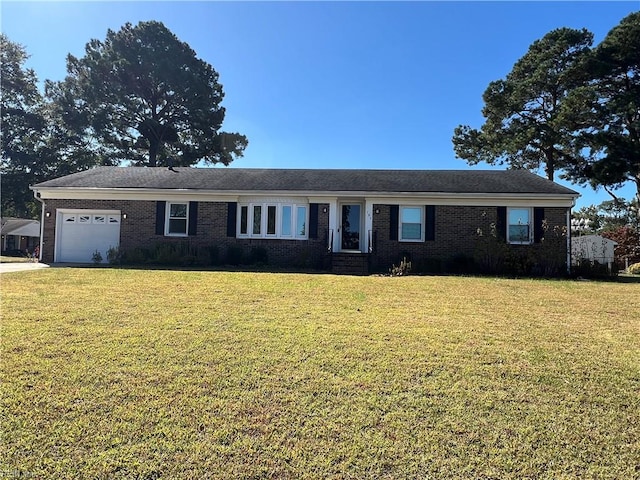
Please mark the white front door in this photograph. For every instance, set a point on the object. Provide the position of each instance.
(82, 233)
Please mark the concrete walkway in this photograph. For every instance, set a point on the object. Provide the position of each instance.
(21, 267)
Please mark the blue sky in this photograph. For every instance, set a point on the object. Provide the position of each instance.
(333, 84)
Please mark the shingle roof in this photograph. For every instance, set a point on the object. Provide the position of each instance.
(20, 226)
(310, 180)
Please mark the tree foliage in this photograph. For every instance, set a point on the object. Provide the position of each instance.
(142, 97)
(610, 100)
(628, 240)
(36, 143)
(23, 124)
(526, 124)
(608, 215)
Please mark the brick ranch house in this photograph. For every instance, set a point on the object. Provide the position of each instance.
(351, 221)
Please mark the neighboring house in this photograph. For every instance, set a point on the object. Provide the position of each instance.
(348, 220)
(19, 235)
(593, 248)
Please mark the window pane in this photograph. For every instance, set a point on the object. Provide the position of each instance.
(177, 225)
(518, 233)
(178, 210)
(271, 220)
(519, 216)
(244, 212)
(411, 231)
(411, 223)
(301, 222)
(519, 229)
(286, 220)
(257, 219)
(412, 215)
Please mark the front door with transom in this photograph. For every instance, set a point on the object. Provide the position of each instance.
(350, 226)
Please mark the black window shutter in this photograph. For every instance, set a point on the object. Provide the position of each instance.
(193, 218)
(501, 224)
(430, 223)
(313, 220)
(394, 213)
(538, 231)
(160, 211)
(232, 209)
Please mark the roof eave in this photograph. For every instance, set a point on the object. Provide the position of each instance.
(95, 193)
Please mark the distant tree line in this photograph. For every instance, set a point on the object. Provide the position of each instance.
(139, 97)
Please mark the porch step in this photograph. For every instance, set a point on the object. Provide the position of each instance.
(350, 263)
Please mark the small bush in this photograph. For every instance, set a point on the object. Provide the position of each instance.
(460, 264)
(213, 254)
(593, 269)
(303, 259)
(634, 269)
(427, 265)
(135, 256)
(234, 255)
(258, 256)
(113, 255)
(96, 257)
(403, 269)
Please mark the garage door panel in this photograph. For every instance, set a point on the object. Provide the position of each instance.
(82, 233)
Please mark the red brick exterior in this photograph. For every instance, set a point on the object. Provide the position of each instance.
(138, 231)
(456, 234)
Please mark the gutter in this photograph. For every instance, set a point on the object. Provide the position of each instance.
(569, 237)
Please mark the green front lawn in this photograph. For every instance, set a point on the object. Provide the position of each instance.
(116, 373)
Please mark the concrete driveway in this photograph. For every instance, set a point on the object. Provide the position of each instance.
(21, 267)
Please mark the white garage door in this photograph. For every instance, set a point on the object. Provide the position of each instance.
(80, 233)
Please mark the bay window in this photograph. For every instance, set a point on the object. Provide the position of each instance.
(273, 220)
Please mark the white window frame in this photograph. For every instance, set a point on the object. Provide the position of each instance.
(529, 241)
(168, 217)
(264, 220)
(305, 223)
(246, 225)
(292, 221)
(422, 223)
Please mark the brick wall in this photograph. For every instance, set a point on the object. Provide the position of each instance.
(456, 235)
(138, 231)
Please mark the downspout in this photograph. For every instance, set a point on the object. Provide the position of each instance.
(573, 204)
(36, 195)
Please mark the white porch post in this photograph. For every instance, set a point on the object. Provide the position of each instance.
(368, 224)
(333, 223)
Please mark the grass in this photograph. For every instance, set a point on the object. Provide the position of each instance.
(6, 259)
(116, 373)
